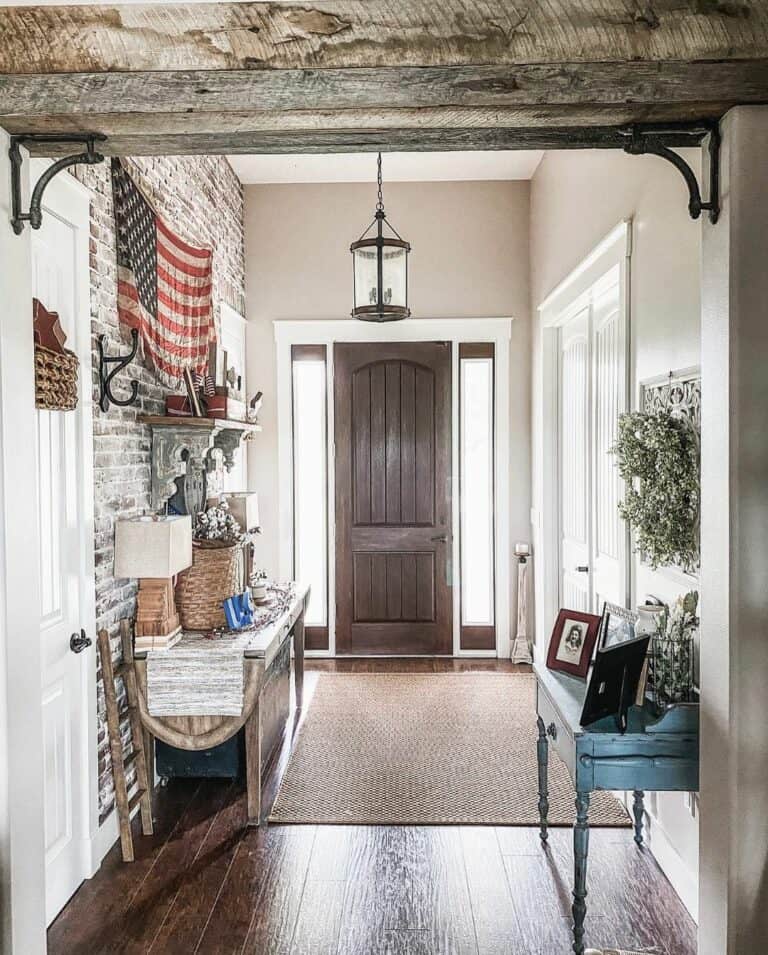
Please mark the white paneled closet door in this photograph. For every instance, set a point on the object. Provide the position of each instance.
(65, 533)
(574, 462)
(593, 393)
(609, 535)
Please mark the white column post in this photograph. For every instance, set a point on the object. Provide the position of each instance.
(733, 869)
(22, 837)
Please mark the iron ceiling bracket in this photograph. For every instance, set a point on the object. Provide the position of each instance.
(35, 215)
(655, 139)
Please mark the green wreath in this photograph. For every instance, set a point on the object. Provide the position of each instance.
(658, 459)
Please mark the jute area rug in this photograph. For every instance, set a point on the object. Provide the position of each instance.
(425, 749)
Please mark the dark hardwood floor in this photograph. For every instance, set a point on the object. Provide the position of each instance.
(205, 883)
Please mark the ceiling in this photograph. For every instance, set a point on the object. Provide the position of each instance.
(396, 167)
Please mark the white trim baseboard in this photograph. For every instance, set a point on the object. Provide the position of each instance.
(683, 879)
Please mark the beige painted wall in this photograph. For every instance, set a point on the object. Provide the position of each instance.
(469, 259)
(577, 197)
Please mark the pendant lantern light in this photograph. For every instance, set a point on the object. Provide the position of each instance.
(380, 270)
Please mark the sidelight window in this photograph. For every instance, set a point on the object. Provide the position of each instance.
(310, 529)
(476, 383)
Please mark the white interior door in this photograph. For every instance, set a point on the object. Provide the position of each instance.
(592, 389)
(609, 561)
(60, 276)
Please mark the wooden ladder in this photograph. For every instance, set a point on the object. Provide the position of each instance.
(137, 757)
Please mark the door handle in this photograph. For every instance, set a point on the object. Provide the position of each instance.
(440, 539)
(582, 569)
(78, 642)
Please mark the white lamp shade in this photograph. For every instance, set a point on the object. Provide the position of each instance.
(149, 547)
(244, 507)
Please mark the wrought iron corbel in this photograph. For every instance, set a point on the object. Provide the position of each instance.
(105, 379)
(35, 215)
(651, 139)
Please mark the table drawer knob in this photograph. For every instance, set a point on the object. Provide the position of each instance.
(552, 731)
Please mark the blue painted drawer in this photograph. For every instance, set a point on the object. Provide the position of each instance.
(653, 762)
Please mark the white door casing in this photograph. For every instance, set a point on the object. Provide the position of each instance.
(584, 387)
(60, 279)
(455, 330)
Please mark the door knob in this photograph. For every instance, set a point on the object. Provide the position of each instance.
(440, 539)
(582, 569)
(78, 642)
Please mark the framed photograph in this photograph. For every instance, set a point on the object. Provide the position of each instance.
(572, 642)
(617, 625)
(614, 682)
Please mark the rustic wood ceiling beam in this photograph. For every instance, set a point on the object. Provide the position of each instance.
(345, 141)
(134, 126)
(564, 84)
(375, 33)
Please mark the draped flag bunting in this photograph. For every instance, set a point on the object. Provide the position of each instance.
(163, 285)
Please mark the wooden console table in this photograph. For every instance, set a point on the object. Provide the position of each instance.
(657, 754)
(202, 732)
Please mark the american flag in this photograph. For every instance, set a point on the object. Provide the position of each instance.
(163, 285)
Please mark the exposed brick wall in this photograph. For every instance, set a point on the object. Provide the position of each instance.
(202, 199)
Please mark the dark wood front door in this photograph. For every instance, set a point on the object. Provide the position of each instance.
(393, 498)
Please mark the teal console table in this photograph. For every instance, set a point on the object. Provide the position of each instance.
(656, 754)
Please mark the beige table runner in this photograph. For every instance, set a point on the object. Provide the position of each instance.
(203, 676)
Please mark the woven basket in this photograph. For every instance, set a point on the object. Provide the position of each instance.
(203, 587)
(55, 379)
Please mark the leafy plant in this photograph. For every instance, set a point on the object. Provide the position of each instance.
(658, 458)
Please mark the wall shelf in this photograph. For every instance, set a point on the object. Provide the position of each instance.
(182, 456)
(216, 424)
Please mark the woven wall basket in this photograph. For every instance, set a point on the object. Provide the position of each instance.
(55, 379)
(203, 587)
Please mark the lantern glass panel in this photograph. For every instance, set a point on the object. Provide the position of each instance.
(394, 286)
(366, 276)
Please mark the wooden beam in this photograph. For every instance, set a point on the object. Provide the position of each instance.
(565, 84)
(375, 33)
(134, 126)
(344, 141)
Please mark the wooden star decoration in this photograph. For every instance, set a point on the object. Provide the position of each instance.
(47, 327)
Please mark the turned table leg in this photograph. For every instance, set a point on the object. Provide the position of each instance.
(580, 851)
(253, 765)
(637, 811)
(542, 755)
(298, 659)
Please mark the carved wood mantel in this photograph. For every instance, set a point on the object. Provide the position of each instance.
(182, 448)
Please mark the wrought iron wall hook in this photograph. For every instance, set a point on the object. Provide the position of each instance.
(650, 139)
(35, 215)
(105, 379)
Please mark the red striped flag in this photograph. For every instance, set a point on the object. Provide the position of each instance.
(163, 285)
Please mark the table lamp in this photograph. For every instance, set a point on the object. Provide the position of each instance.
(154, 550)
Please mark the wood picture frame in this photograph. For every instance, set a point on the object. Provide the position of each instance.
(573, 642)
(617, 625)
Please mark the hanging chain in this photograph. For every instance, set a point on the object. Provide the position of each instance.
(380, 203)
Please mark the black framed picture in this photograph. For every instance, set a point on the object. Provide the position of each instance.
(572, 642)
(614, 681)
(617, 625)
